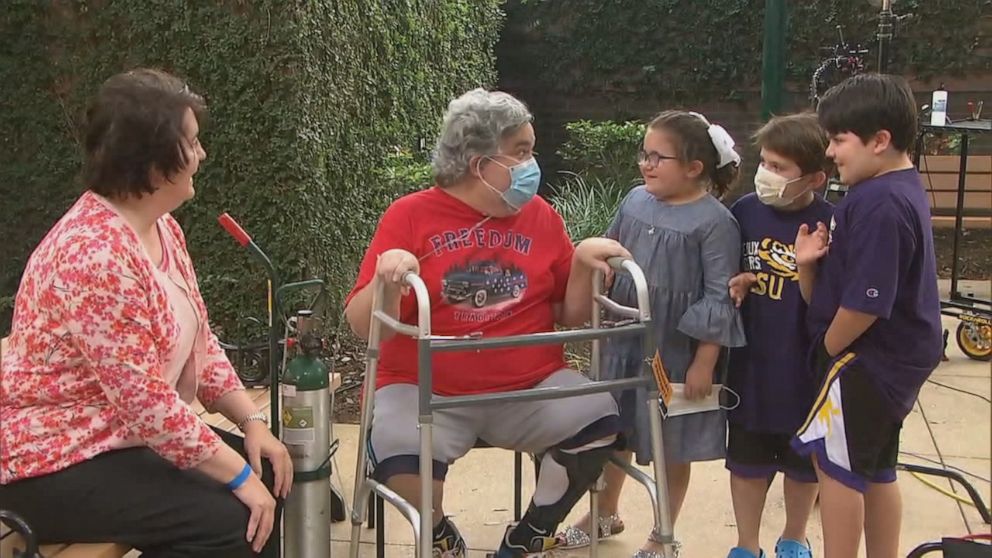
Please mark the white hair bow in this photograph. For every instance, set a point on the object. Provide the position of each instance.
(722, 141)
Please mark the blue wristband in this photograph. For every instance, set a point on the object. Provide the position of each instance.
(240, 479)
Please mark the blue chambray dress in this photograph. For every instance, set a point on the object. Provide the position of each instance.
(688, 253)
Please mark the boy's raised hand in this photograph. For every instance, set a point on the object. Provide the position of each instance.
(811, 246)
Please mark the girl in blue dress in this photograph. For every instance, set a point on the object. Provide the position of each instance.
(688, 245)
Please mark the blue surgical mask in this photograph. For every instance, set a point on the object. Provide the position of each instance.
(525, 178)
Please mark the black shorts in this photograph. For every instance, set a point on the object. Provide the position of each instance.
(754, 455)
(852, 433)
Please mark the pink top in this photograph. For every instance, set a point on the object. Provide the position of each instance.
(86, 369)
(184, 309)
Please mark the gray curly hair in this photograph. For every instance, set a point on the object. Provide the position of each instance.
(473, 126)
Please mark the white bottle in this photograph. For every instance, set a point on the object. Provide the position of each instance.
(938, 107)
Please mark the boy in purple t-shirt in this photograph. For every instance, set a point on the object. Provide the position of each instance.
(874, 312)
(770, 374)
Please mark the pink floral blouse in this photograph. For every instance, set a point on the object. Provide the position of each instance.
(83, 372)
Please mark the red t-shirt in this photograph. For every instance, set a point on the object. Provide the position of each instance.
(500, 278)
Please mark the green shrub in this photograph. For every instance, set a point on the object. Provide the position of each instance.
(603, 150)
(587, 205)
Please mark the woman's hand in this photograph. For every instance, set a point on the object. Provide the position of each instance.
(262, 507)
(259, 443)
(698, 382)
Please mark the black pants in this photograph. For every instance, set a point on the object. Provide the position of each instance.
(135, 497)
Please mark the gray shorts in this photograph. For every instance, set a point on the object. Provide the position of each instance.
(525, 426)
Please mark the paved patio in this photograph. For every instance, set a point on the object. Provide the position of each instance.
(947, 424)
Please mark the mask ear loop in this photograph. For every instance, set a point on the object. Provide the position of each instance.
(797, 196)
(509, 170)
(664, 407)
(736, 396)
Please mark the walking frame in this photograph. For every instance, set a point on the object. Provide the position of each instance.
(637, 322)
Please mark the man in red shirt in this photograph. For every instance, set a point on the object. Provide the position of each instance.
(497, 261)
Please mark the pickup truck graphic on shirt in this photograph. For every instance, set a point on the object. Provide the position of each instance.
(482, 283)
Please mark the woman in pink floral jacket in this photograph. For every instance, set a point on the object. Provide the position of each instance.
(110, 347)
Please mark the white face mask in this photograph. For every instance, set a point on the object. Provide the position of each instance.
(679, 405)
(770, 188)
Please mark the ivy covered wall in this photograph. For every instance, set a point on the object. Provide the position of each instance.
(306, 100)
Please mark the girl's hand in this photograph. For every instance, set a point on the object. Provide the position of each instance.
(811, 246)
(698, 382)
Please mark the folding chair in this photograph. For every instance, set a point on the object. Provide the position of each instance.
(955, 548)
(428, 343)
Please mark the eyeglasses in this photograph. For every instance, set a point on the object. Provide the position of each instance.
(652, 159)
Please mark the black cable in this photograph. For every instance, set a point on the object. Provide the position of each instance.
(951, 467)
(959, 390)
(943, 464)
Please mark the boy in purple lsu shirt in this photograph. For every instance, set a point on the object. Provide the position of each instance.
(770, 374)
(874, 312)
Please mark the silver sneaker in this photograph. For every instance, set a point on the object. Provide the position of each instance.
(676, 546)
(577, 538)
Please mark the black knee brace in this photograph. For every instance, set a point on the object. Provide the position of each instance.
(583, 469)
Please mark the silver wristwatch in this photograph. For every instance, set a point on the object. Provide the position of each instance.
(257, 415)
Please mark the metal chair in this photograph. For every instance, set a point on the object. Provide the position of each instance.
(640, 324)
(955, 547)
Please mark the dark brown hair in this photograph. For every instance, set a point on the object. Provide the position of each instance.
(134, 125)
(691, 137)
(865, 104)
(799, 138)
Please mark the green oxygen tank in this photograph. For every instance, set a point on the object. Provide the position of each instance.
(306, 432)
